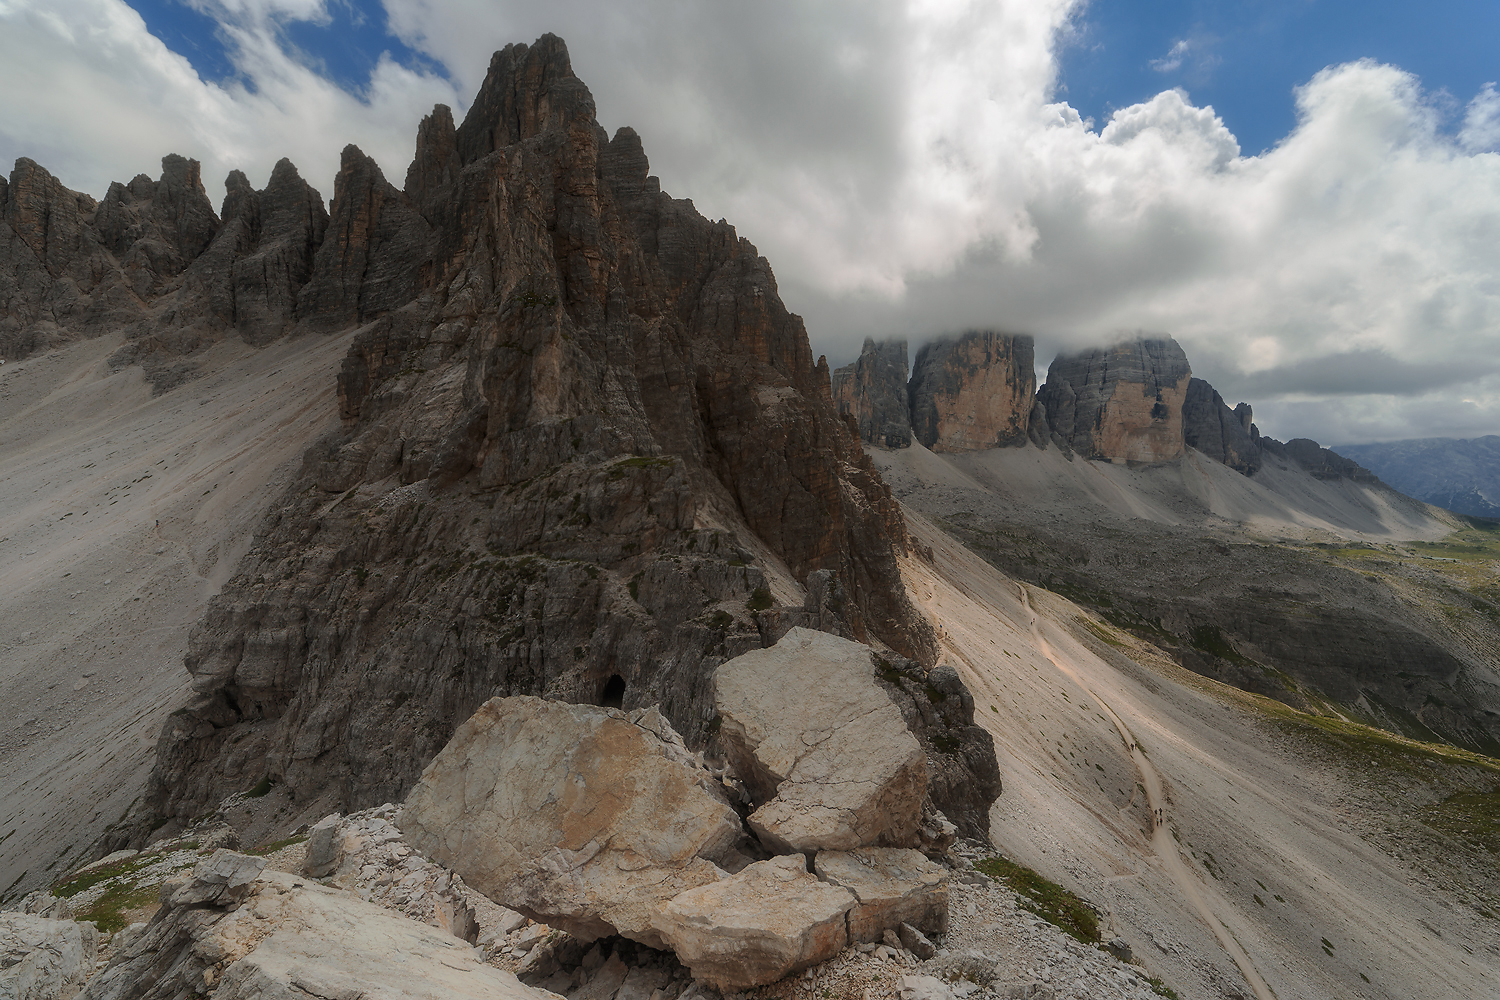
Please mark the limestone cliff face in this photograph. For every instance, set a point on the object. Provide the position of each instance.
(973, 392)
(1224, 435)
(586, 452)
(154, 261)
(1121, 404)
(873, 392)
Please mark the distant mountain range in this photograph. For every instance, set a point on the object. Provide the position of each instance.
(1461, 475)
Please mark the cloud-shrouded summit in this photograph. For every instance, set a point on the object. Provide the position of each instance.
(909, 168)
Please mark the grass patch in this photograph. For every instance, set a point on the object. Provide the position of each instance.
(275, 846)
(93, 876)
(108, 911)
(760, 599)
(1469, 815)
(1161, 989)
(1102, 634)
(1047, 900)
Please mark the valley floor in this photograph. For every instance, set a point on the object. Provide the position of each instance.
(1263, 878)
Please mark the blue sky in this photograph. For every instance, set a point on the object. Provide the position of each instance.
(1245, 58)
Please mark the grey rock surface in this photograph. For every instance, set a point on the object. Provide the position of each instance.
(770, 920)
(45, 959)
(892, 886)
(872, 390)
(826, 756)
(571, 814)
(1121, 404)
(974, 391)
(278, 936)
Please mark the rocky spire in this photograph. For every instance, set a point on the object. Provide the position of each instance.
(529, 89)
(973, 392)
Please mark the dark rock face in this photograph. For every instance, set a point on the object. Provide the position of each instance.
(376, 246)
(1316, 459)
(55, 272)
(153, 260)
(584, 445)
(1222, 434)
(963, 774)
(1122, 404)
(973, 392)
(156, 230)
(873, 392)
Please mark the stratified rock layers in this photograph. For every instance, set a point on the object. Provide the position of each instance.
(1122, 404)
(973, 392)
(1222, 434)
(584, 444)
(873, 392)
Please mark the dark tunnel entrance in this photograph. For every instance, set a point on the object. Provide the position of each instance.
(613, 695)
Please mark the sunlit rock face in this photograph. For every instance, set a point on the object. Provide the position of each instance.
(973, 392)
(1122, 403)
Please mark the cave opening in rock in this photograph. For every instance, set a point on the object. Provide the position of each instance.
(613, 695)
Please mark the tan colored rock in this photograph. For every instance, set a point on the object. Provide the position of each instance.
(892, 886)
(1122, 404)
(772, 919)
(973, 392)
(820, 746)
(571, 814)
(279, 935)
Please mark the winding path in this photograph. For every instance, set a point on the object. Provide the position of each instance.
(1161, 837)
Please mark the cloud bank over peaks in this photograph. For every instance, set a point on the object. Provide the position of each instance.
(909, 167)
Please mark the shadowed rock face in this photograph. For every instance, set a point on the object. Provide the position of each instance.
(154, 262)
(1123, 404)
(973, 392)
(1222, 434)
(873, 392)
(584, 442)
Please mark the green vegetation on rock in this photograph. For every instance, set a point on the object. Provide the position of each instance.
(1047, 900)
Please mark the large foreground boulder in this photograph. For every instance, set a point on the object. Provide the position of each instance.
(772, 919)
(578, 816)
(44, 959)
(822, 750)
(891, 887)
(238, 932)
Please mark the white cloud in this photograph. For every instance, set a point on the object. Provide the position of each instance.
(908, 168)
(1481, 131)
(94, 97)
(1172, 61)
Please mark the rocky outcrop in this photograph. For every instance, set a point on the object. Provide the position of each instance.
(156, 229)
(823, 752)
(244, 933)
(963, 774)
(1222, 434)
(772, 919)
(1322, 463)
(584, 445)
(573, 815)
(56, 275)
(973, 392)
(873, 391)
(42, 959)
(891, 887)
(1120, 404)
(154, 261)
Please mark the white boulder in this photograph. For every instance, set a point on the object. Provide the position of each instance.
(821, 748)
(575, 815)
